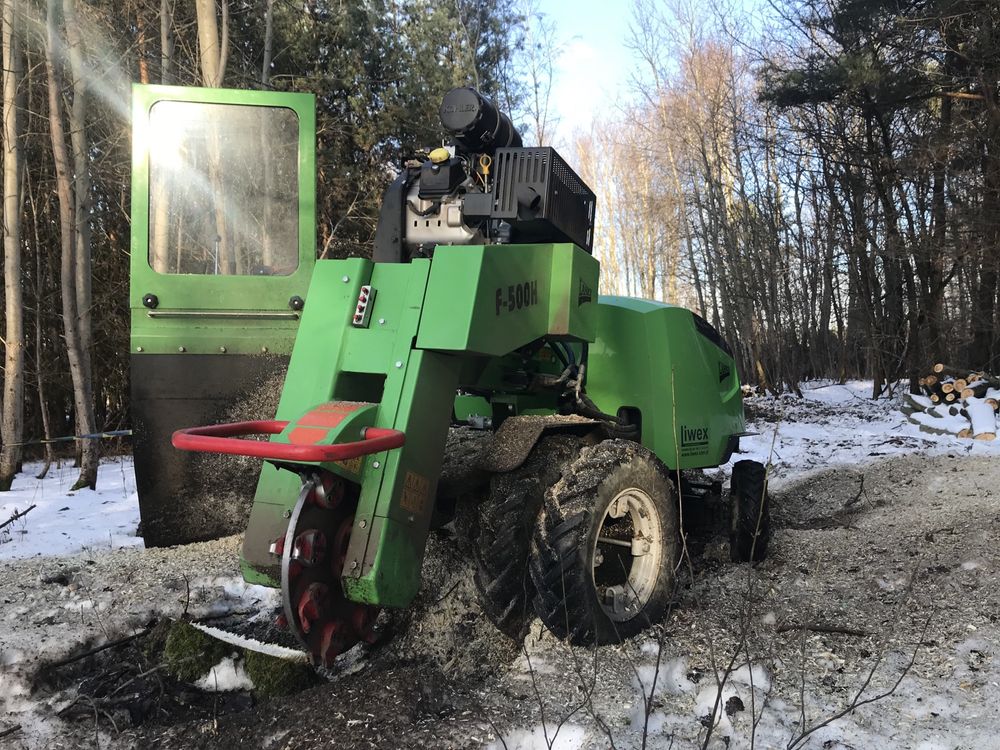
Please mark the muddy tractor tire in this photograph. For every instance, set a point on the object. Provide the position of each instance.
(605, 545)
(750, 513)
(506, 519)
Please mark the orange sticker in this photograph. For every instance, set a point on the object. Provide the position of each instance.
(416, 491)
(353, 465)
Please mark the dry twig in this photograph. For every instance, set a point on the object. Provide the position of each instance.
(18, 514)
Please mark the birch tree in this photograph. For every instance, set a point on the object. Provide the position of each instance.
(166, 41)
(13, 385)
(214, 48)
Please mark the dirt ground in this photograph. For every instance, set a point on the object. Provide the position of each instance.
(869, 569)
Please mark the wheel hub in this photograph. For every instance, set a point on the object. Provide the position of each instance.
(313, 552)
(627, 554)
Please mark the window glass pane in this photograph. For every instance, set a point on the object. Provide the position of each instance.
(223, 189)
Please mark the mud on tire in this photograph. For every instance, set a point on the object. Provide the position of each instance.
(614, 491)
(750, 513)
(506, 518)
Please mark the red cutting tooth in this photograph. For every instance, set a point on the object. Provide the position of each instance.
(309, 547)
(331, 644)
(341, 542)
(310, 605)
(328, 493)
(360, 619)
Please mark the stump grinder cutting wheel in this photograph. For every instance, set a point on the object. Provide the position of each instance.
(313, 552)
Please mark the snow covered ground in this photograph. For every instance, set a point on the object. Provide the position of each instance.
(832, 425)
(923, 539)
(840, 425)
(63, 522)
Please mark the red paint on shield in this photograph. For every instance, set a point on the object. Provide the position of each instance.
(306, 435)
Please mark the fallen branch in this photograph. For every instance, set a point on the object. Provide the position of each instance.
(861, 491)
(18, 514)
(821, 628)
(98, 649)
(10, 730)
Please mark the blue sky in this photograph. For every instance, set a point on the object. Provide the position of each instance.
(594, 70)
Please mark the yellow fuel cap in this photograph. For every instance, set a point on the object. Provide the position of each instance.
(439, 155)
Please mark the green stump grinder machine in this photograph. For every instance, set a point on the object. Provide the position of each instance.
(478, 311)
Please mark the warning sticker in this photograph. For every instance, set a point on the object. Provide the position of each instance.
(416, 491)
(353, 465)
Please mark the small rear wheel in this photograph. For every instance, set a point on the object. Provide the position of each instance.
(750, 513)
(605, 546)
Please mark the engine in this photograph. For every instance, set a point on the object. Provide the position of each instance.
(482, 188)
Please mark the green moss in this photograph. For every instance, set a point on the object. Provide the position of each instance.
(190, 653)
(273, 676)
(153, 644)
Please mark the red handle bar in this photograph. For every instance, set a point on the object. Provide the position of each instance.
(221, 438)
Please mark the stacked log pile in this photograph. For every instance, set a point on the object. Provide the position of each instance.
(958, 392)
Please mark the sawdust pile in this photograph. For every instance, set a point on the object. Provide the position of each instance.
(227, 483)
(445, 625)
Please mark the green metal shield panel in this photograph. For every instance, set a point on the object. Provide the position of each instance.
(653, 357)
(214, 334)
(494, 299)
(208, 312)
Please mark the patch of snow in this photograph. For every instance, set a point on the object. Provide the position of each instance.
(226, 676)
(671, 677)
(834, 424)
(64, 522)
(569, 737)
(756, 676)
(235, 593)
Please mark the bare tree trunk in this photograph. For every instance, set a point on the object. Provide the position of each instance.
(166, 41)
(267, 231)
(12, 426)
(542, 48)
(141, 46)
(159, 257)
(265, 68)
(214, 52)
(76, 351)
(90, 449)
(40, 293)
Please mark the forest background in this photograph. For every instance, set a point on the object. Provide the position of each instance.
(820, 180)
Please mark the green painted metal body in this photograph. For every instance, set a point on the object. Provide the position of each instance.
(433, 323)
(449, 323)
(653, 357)
(468, 321)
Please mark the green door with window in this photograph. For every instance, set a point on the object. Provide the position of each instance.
(223, 247)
